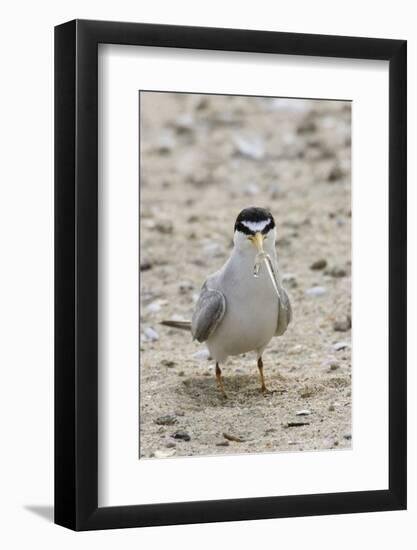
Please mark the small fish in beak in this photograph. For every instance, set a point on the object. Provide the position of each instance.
(263, 257)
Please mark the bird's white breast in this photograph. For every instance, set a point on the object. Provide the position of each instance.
(251, 314)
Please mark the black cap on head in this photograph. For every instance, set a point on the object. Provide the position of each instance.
(252, 220)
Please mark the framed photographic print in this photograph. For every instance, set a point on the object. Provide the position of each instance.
(230, 252)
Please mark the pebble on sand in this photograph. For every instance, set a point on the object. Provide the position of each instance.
(308, 126)
(338, 346)
(343, 325)
(150, 335)
(146, 265)
(304, 412)
(232, 437)
(153, 307)
(185, 287)
(165, 227)
(332, 364)
(182, 435)
(168, 363)
(318, 264)
(336, 173)
(166, 420)
(296, 424)
(166, 143)
(252, 148)
(184, 123)
(164, 453)
(336, 272)
(315, 291)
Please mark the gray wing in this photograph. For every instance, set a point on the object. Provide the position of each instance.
(284, 312)
(208, 312)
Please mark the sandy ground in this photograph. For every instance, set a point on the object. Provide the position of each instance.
(203, 159)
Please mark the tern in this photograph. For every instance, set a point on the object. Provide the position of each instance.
(242, 306)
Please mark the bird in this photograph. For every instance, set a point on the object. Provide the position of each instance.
(243, 305)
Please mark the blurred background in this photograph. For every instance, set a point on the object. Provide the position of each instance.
(203, 158)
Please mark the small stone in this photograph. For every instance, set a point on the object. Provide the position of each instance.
(165, 227)
(153, 307)
(307, 127)
(232, 437)
(203, 103)
(318, 264)
(332, 364)
(296, 424)
(336, 173)
(304, 412)
(347, 436)
(168, 363)
(315, 291)
(185, 287)
(252, 148)
(166, 143)
(336, 272)
(343, 326)
(170, 445)
(146, 265)
(222, 444)
(181, 435)
(184, 123)
(150, 335)
(162, 453)
(166, 420)
(338, 346)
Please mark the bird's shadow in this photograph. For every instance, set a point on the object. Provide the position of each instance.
(240, 389)
(45, 512)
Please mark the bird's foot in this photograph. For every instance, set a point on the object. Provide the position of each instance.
(266, 391)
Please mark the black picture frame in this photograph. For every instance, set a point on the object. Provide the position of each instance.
(76, 272)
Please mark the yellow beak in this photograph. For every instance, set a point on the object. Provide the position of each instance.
(258, 241)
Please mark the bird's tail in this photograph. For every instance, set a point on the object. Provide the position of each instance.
(183, 325)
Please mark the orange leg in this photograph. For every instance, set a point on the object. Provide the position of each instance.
(220, 380)
(261, 373)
